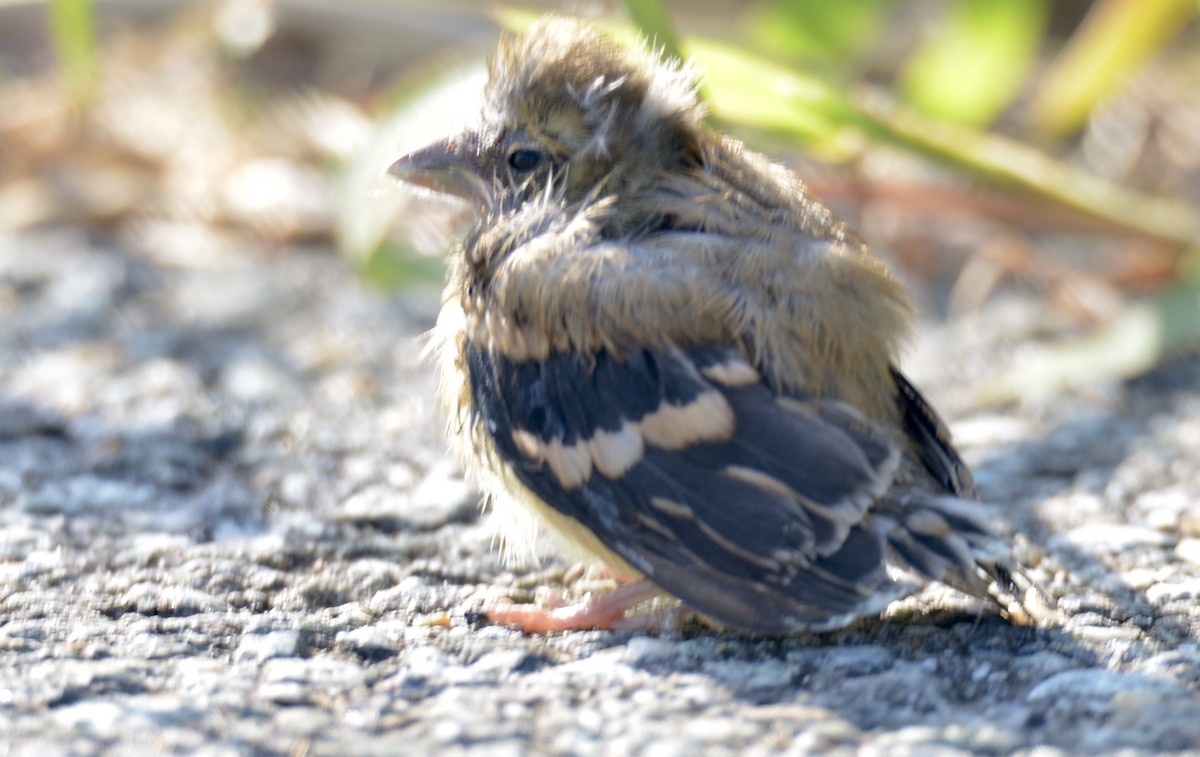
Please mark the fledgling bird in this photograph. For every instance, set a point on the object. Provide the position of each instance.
(663, 348)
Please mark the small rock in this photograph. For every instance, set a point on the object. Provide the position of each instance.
(258, 647)
(1188, 549)
(1100, 683)
(1165, 592)
(1114, 537)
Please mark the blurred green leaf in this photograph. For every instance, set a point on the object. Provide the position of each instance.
(1117, 37)
(73, 36)
(976, 62)
(747, 90)
(655, 23)
(392, 267)
(816, 30)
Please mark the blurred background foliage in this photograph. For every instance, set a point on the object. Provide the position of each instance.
(983, 146)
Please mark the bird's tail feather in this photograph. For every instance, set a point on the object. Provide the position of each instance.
(948, 539)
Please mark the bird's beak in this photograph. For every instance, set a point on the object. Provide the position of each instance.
(452, 166)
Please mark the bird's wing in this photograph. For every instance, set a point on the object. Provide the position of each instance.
(747, 505)
(931, 437)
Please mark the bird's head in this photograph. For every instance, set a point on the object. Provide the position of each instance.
(566, 110)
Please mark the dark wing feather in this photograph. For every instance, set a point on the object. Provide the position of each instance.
(747, 506)
(925, 428)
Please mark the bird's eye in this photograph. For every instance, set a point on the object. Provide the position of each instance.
(524, 160)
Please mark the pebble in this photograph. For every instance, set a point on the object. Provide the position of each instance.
(1114, 537)
(1098, 683)
(259, 647)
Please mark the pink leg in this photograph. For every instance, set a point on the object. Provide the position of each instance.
(606, 611)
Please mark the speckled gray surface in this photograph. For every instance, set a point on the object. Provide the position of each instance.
(228, 526)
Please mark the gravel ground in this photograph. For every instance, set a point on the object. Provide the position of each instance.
(228, 526)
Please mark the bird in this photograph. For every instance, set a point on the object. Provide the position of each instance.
(662, 350)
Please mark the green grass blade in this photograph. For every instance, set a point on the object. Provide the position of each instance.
(1117, 37)
(977, 61)
(72, 33)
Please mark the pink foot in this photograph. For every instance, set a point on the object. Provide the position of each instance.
(606, 611)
